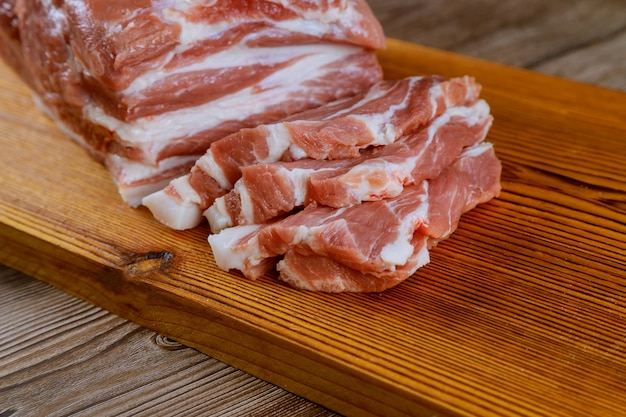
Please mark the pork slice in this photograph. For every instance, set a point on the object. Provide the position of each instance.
(475, 180)
(415, 157)
(391, 109)
(375, 237)
(369, 237)
(321, 273)
(268, 190)
(337, 130)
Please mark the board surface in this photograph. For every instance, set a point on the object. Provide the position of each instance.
(521, 311)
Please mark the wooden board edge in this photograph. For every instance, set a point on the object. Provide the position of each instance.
(294, 368)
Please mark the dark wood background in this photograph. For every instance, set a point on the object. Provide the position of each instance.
(578, 39)
(60, 355)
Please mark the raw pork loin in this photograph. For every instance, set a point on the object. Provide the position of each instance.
(147, 86)
(270, 118)
(339, 129)
(370, 246)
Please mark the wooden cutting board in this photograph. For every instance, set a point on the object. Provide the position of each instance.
(521, 312)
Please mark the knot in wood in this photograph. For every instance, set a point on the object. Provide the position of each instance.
(149, 262)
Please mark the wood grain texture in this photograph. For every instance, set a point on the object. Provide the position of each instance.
(548, 334)
(578, 39)
(56, 348)
(515, 309)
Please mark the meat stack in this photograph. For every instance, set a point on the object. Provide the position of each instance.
(268, 119)
(353, 196)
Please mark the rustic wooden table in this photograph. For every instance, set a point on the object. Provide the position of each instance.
(60, 355)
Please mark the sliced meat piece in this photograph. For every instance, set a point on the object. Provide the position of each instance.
(321, 273)
(473, 179)
(389, 110)
(345, 235)
(337, 130)
(379, 238)
(268, 190)
(418, 156)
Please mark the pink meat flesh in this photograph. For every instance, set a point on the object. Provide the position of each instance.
(382, 238)
(337, 130)
(321, 273)
(268, 190)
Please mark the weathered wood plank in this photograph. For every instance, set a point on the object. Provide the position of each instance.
(601, 62)
(62, 356)
(577, 39)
